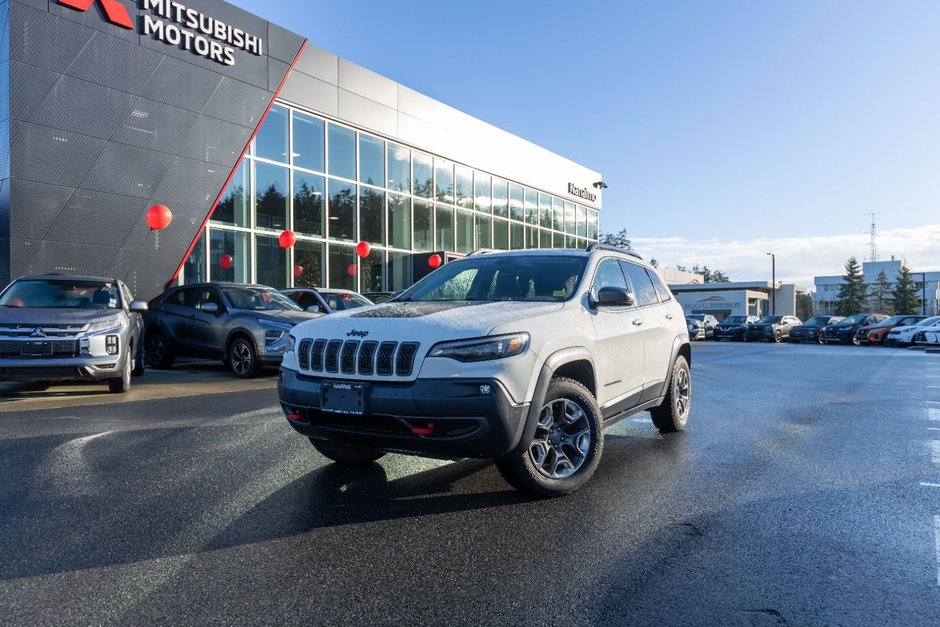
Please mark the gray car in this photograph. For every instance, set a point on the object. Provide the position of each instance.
(56, 328)
(245, 326)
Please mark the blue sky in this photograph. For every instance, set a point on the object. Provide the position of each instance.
(724, 125)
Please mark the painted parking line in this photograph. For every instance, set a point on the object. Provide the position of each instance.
(936, 525)
(935, 445)
(933, 414)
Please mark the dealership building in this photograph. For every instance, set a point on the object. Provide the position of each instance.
(245, 130)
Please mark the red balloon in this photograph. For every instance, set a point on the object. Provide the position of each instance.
(287, 239)
(434, 261)
(159, 217)
(351, 269)
(298, 270)
(363, 249)
(226, 262)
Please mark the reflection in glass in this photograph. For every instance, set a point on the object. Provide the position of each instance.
(500, 198)
(423, 226)
(516, 202)
(271, 204)
(545, 211)
(482, 199)
(342, 210)
(235, 206)
(570, 226)
(545, 239)
(308, 142)
(308, 204)
(399, 221)
(558, 214)
(342, 261)
(592, 225)
(516, 236)
(399, 271)
(372, 270)
(272, 262)
(484, 231)
(237, 246)
(464, 232)
(372, 215)
(310, 256)
(443, 180)
(463, 178)
(342, 159)
(445, 228)
(371, 160)
(531, 206)
(501, 234)
(582, 221)
(558, 240)
(423, 175)
(531, 237)
(399, 168)
(271, 141)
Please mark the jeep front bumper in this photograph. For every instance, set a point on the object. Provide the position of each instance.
(429, 417)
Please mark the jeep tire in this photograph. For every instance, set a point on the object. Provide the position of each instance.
(346, 454)
(673, 414)
(567, 446)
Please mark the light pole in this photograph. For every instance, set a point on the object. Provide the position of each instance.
(773, 280)
(923, 293)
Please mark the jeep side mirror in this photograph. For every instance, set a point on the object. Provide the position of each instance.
(615, 297)
(211, 308)
(139, 306)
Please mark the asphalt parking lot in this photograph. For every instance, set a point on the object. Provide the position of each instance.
(806, 491)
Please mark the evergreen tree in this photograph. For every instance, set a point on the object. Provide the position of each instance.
(879, 296)
(852, 292)
(804, 306)
(719, 277)
(904, 295)
(616, 239)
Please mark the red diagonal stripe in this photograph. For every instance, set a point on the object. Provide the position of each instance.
(113, 10)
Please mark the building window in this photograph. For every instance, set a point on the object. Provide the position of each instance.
(482, 198)
(308, 204)
(372, 216)
(423, 173)
(371, 160)
(271, 141)
(343, 267)
(272, 262)
(271, 205)
(399, 221)
(500, 198)
(235, 206)
(443, 180)
(342, 210)
(423, 226)
(309, 263)
(399, 168)
(342, 152)
(308, 142)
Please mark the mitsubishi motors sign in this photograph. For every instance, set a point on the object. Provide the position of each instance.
(175, 24)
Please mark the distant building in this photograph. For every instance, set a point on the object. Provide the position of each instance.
(927, 284)
(740, 298)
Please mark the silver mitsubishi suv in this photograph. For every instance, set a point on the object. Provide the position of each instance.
(524, 357)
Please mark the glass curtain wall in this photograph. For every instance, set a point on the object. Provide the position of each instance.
(334, 186)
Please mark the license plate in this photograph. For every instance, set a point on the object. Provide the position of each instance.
(343, 398)
(37, 348)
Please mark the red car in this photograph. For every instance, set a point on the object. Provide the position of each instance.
(876, 333)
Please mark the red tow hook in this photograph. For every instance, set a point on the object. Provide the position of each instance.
(296, 415)
(427, 429)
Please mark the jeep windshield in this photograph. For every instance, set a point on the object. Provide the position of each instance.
(528, 278)
(62, 294)
(259, 299)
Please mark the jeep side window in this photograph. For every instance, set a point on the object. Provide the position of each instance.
(661, 289)
(643, 289)
(608, 274)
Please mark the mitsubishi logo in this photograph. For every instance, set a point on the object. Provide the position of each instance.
(114, 11)
(37, 332)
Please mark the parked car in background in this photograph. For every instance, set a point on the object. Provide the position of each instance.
(931, 338)
(843, 332)
(327, 301)
(56, 329)
(379, 297)
(245, 326)
(709, 322)
(696, 329)
(733, 327)
(811, 330)
(876, 333)
(905, 335)
(771, 328)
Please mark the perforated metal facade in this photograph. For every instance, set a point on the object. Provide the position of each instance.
(100, 122)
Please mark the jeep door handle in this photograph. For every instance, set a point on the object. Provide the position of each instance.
(637, 322)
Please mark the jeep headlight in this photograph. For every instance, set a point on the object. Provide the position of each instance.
(482, 348)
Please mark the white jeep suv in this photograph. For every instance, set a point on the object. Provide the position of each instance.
(524, 357)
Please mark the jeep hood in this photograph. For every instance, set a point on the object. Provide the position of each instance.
(427, 321)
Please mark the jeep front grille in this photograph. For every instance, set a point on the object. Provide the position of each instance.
(357, 358)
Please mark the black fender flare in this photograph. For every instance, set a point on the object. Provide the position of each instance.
(555, 361)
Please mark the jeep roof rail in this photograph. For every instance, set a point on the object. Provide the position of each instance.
(617, 249)
(484, 251)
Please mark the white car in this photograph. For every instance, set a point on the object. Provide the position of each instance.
(932, 338)
(524, 357)
(906, 336)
